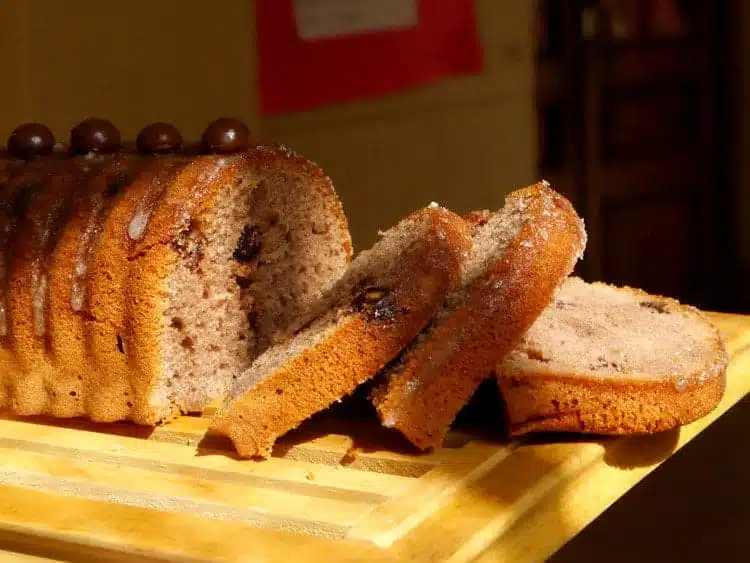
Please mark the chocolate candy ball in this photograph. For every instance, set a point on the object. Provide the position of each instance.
(159, 138)
(225, 135)
(31, 140)
(95, 135)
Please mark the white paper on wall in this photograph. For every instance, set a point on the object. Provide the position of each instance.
(319, 19)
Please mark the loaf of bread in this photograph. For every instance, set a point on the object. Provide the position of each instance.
(386, 297)
(135, 284)
(608, 360)
(138, 282)
(520, 256)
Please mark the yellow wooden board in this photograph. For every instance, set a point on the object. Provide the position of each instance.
(335, 491)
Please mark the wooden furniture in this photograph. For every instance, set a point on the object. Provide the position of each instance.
(631, 128)
(335, 491)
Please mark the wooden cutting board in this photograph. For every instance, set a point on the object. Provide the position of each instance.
(335, 490)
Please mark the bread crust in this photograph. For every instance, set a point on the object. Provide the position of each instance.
(34, 386)
(108, 332)
(75, 374)
(155, 256)
(102, 362)
(540, 400)
(437, 376)
(27, 178)
(357, 348)
(151, 261)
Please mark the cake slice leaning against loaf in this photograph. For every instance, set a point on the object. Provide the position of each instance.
(385, 298)
(609, 360)
(520, 257)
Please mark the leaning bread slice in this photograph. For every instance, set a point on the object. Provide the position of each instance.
(610, 360)
(520, 257)
(385, 298)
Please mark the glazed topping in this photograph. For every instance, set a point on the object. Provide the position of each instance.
(102, 190)
(159, 138)
(95, 135)
(61, 148)
(149, 198)
(225, 135)
(48, 216)
(31, 140)
(13, 204)
(192, 148)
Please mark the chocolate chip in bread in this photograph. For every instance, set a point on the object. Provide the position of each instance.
(386, 297)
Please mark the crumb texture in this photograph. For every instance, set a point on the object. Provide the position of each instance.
(384, 299)
(134, 287)
(612, 360)
(602, 331)
(520, 256)
(256, 260)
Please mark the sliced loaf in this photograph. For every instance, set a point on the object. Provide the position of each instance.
(520, 257)
(135, 285)
(385, 298)
(610, 360)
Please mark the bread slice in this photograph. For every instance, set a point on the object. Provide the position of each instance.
(609, 360)
(385, 298)
(521, 256)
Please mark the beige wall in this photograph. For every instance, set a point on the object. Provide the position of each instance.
(12, 83)
(138, 61)
(463, 142)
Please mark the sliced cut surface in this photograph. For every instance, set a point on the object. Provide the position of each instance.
(133, 287)
(386, 297)
(213, 286)
(521, 255)
(609, 360)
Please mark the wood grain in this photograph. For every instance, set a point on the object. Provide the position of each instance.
(72, 490)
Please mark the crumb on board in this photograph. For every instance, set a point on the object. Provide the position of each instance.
(350, 456)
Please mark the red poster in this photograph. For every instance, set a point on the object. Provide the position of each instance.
(321, 52)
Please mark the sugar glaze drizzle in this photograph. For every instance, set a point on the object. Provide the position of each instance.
(47, 230)
(17, 192)
(93, 181)
(145, 207)
(103, 192)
